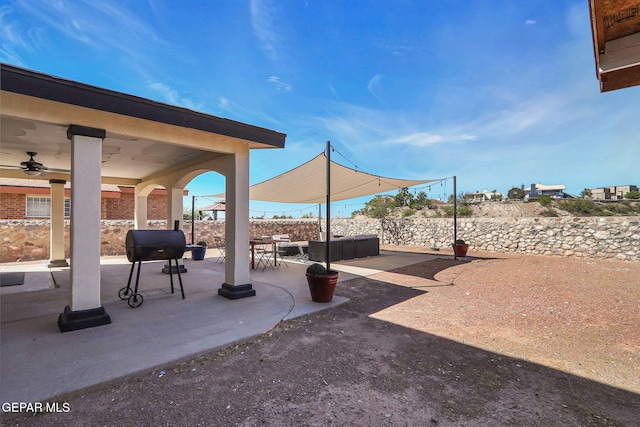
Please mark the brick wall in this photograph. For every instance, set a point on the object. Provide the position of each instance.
(121, 208)
(124, 206)
(12, 206)
(156, 206)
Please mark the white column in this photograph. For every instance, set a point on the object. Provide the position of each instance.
(174, 213)
(85, 309)
(56, 232)
(140, 209)
(86, 155)
(237, 284)
(174, 207)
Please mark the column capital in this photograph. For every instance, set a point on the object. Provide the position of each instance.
(57, 181)
(74, 130)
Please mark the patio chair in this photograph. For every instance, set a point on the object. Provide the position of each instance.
(265, 253)
(282, 242)
(220, 244)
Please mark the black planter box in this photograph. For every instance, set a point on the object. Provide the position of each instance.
(318, 250)
(345, 248)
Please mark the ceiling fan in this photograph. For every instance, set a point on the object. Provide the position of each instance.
(32, 167)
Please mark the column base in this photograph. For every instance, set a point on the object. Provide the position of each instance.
(82, 319)
(56, 263)
(236, 292)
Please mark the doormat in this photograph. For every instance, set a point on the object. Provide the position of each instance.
(11, 279)
(155, 292)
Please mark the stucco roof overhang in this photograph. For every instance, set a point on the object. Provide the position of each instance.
(144, 138)
(616, 39)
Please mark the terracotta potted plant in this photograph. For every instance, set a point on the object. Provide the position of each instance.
(460, 248)
(198, 252)
(322, 283)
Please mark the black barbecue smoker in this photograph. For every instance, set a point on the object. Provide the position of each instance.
(152, 245)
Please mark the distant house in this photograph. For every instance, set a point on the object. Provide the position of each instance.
(31, 199)
(556, 191)
(485, 195)
(612, 193)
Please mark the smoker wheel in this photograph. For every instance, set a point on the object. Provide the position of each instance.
(125, 293)
(135, 300)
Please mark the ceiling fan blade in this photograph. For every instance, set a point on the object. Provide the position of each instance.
(55, 170)
(12, 167)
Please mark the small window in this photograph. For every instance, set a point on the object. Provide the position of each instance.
(40, 207)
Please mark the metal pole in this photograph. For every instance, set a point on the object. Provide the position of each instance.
(455, 217)
(328, 239)
(320, 221)
(193, 224)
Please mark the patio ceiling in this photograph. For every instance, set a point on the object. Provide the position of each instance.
(124, 159)
(616, 39)
(144, 138)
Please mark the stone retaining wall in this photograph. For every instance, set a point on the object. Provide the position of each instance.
(28, 240)
(593, 237)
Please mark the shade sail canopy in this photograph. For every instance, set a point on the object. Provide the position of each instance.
(307, 184)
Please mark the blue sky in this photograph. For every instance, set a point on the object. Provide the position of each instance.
(498, 93)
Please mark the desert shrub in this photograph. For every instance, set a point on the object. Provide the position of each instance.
(623, 208)
(463, 211)
(548, 213)
(583, 207)
(635, 195)
(408, 212)
(403, 198)
(420, 201)
(447, 211)
(378, 207)
(544, 201)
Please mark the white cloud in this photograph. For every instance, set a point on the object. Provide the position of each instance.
(542, 113)
(530, 22)
(95, 23)
(373, 85)
(333, 90)
(223, 102)
(11, 36)
(427, 139)
(171, 96)
(262, 19)
(279, 84)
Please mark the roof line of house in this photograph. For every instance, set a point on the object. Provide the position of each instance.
(27, 82)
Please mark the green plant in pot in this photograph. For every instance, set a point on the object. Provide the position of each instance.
(322, 283)
(460, 247)
(198, 253)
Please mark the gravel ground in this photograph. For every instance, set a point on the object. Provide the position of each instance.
(489, 340)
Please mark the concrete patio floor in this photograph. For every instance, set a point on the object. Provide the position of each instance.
(39, 363)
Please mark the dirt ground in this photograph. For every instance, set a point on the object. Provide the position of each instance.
(490, 340)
